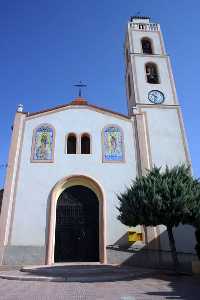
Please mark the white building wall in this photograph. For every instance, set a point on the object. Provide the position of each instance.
(165, 136)
(36, 180)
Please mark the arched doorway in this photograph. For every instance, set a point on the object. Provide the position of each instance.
(61, 186)
(77, 225)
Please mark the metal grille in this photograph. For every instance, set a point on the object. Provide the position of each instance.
(69, 210)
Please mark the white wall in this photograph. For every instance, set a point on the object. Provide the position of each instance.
(165, 136)
(37, 179)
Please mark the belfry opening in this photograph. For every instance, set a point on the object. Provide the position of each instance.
(77, 226)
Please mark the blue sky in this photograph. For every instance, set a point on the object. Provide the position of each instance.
(47, 46)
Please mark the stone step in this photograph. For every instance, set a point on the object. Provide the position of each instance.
(68, 264)
(74, 270)
(119, 274)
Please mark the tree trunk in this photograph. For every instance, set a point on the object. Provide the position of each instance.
(173, 248)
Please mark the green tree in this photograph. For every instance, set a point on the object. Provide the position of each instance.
(193, 217)
(160, 198)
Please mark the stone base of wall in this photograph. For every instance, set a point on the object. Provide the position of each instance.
(149, 258)
(23, 255)
(35, 255)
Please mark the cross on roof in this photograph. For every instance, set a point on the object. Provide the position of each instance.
(80, 85)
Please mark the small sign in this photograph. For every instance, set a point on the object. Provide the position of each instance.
(134, 236)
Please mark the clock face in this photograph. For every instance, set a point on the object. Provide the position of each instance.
(156, 97)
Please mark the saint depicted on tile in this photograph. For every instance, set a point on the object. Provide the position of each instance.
(113, 144)
(43, 143)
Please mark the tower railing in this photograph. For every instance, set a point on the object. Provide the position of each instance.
(145, 26)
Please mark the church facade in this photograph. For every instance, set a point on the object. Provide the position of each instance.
(67, 164)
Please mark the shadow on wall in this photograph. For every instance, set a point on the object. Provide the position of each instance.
(151, 255)
(1, 198)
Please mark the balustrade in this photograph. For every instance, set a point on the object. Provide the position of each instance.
(145, 26)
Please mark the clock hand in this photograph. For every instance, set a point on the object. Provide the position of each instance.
(154, 94)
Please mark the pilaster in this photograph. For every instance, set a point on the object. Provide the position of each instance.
(11, 179)
(151, 234)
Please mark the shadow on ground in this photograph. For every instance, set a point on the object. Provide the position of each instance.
(178, 287)
(153, 283)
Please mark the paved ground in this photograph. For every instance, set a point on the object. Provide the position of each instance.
(154, 287)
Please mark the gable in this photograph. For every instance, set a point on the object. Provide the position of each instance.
(69, 106)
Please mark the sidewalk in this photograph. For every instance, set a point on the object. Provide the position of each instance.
(145, 287)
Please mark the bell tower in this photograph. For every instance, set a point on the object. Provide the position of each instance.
(151, 97)
(153, 106)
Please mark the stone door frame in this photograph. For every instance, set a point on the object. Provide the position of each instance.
(55, 193)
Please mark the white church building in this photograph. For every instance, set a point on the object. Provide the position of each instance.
(67, 164)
